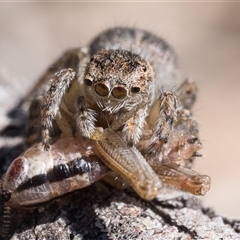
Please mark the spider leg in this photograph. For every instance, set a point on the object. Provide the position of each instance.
(44, 109)
(167, 110)
(85, 118)
(133, 127)
(45, 106)
(182, 145)
(60, 83)
(161, 119)
(100, 134)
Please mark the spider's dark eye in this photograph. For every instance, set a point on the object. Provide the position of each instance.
(88, 82)
(144, 68)
(91, 59)
(135, 89)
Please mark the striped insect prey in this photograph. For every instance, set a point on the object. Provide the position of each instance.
(38, 176)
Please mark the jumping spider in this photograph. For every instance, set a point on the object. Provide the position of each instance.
(120, 92)
(121, 101)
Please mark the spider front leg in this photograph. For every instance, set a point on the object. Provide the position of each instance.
(85, 118)
(161, 119)
(133, 127)
(99, 133)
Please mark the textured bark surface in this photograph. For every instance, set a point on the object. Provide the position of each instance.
(101, 212)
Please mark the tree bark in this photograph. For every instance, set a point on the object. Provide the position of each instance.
(102, 212)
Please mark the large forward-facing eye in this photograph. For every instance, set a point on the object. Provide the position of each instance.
(88, 82)
(119, 92)
(101, 89)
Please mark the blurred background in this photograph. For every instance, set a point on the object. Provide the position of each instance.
(206, 37)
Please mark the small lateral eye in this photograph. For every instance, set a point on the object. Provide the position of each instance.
(144, 68)
(135, 89)
(88, 82)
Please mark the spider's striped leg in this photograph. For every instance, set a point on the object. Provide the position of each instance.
(161, 119)
(60, 83)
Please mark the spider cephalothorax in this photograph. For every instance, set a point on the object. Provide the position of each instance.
(117, 80)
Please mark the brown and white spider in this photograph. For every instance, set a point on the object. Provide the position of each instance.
(122, 83)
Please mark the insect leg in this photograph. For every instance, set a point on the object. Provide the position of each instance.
(6, 216)
(129, 163)
(182, 178)
(6, 221)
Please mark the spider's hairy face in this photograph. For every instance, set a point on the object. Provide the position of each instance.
(116, 79)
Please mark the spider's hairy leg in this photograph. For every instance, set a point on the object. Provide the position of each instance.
(100, 133)
(161, 118)
(85, 117)
(71, 59)
(60, 83)
(186, 132)
(182, 146)
(133, 127)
